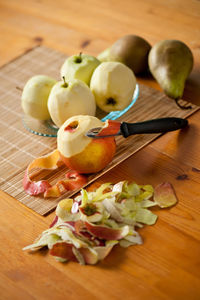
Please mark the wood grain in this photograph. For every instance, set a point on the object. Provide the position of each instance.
(71, 27)
(166, 266)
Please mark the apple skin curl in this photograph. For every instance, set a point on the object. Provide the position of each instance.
(111, 127)
(72, 181)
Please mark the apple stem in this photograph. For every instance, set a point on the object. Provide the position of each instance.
(65, 85)
(79, 58)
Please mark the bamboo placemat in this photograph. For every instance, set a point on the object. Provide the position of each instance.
(18, 147)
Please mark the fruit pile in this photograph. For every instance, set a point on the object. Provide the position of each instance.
(86, 82)
(169, 61)
(108, 80)
(87, 228)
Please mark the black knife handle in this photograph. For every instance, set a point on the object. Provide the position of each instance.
(153, 126)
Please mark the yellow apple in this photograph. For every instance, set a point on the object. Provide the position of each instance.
(81, 153)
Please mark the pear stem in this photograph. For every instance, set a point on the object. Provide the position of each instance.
(182, 106)
(65, 85)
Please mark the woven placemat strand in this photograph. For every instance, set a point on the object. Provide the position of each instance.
(18, 147)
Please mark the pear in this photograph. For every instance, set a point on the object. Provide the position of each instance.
(104, 56)
(170, 62)
(132, 50)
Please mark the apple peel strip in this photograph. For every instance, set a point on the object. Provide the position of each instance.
(73, 180)
(110, 128)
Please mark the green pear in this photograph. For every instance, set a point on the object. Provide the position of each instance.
(79, 67)
(104, 56)
(35, 96)
(132, 50)
(170, 62)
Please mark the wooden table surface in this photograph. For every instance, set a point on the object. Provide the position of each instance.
(167, 265)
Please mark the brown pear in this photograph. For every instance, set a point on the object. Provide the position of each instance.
(132, 50)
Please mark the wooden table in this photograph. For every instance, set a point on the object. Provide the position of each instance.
(167, 265)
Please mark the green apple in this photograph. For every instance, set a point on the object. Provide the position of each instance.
(113, 84)
(70, 98)
(79, 67)
(35, 96)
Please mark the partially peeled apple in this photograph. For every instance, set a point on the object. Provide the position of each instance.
(79, 67)
(81, 153)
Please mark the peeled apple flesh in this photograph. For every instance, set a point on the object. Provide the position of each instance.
(70, 98)
(35, 96)
(113, 85)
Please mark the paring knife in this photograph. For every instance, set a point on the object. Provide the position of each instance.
(151, 126)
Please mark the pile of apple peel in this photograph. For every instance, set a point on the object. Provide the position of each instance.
(87, 227)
